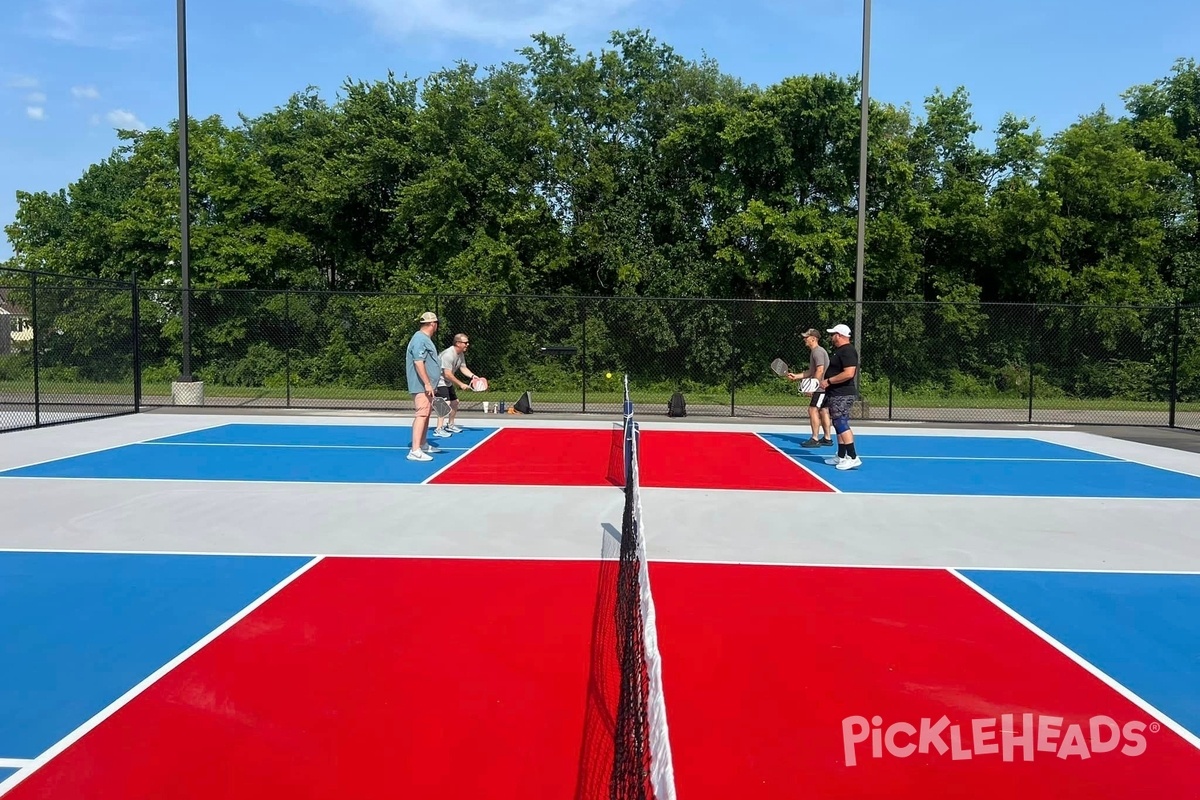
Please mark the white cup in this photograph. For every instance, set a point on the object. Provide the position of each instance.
(485, 406)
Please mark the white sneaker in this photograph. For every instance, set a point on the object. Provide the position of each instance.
(417, 455)
(442, 434)
(454, 429)
(850, 463)
(432, 448)
(833, 461)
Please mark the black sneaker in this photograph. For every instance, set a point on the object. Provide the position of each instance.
(811, 443)
(827, 442)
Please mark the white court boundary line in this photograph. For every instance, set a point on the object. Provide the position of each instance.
(596, 559)
(153, 440)
(456, 459)
(15, 763)
(804, 467)
(77, 734)
(1101, 459)
(1091, 668)
(244, 482)
(404, 448)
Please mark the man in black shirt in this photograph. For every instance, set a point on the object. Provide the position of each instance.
(840, 394)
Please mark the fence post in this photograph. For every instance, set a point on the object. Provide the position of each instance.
(891, 363)
(733, 367)
(33, 314)
(137, 345)
(287, 345)
(1033, 334)
(583, 367)
(1176, 334)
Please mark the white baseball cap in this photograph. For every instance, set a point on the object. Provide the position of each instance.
(842, 329)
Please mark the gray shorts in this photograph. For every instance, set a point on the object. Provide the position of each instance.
(839, 406)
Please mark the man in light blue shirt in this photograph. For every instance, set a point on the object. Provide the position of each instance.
(422, 368)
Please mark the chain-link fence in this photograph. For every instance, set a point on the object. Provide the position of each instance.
(67, 349)
(943, 362)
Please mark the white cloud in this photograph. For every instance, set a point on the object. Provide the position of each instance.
(85, 92)
(64, 22)
(125, 120)
(36, 97)
(87, 23)
(35, 112)
(23, 82)
(489, 20)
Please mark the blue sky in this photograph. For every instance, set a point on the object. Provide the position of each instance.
(71, 71)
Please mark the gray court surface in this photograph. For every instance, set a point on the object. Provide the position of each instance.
(579, 522)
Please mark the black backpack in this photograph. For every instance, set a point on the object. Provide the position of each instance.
(676, 407)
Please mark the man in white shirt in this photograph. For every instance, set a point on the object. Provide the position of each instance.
(453, 359)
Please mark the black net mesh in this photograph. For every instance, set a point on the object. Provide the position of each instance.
(67, 349)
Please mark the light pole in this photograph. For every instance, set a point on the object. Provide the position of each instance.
(862, 175)
(184, 224)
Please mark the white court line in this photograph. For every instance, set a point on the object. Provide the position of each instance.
(404, 448)
(126, 698)
(702, 561)
(1100, 459)
(456, 460)
(1095, 671)
(797, 463)
(111, 447)
(72, 455)
(15, 763)
(926, 567)
(297, 482)
(320, 556)
(526, 487)
(926, 495)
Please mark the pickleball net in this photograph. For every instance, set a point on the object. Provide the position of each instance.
(642, 765)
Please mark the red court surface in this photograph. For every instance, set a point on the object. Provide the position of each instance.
(366, 679)
(667, 459)
(541, 457)
(763, 666)
(382, 678)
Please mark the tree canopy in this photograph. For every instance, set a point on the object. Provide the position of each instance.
(498, 194)
(634, 171)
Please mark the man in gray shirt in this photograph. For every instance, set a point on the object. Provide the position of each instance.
(818, 414)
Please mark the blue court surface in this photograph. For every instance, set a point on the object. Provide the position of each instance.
(987, 466)
(900, 464)
(89, 627)
(247, 452)
(1140, 629)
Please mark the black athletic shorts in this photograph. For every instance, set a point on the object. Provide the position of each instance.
(447, 392)
(817, 400)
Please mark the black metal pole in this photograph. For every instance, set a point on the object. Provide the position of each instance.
(184, 222)
(583, 360)
(137, 347)
(1175, 365)
(891, 365)
(1033, 334)
(287, 345)
(33, 320)
(862, 185)
(733, 369)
